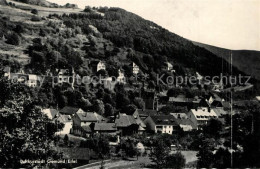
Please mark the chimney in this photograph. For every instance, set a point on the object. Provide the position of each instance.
(209, 109)
(196, 108)
(179, 116)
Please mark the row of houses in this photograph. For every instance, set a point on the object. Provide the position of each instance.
(82, 123)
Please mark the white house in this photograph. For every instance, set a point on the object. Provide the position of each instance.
(121, 76)
(101, 65)
(135, 68)
(201, 116)
(161, 124)
(169, 66)
(32, 80)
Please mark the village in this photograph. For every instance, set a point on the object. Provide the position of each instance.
(162, 112)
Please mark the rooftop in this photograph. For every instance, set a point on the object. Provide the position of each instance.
(69, 110)
(51, 113)
(105, 127)
(203, 113)
(124, 120)
(90, 117)
(164, 120)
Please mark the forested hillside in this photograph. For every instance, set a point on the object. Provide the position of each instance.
(114, 34)
(247, 61)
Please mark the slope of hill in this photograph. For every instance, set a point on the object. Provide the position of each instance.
(3, 2)
(113, 34)
(247, 61)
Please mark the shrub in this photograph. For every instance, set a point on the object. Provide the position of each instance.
(35, 19)
(13, 39)
(34, 11)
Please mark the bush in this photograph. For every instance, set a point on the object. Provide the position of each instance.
(35, 19)
(13, 39)
(34, 11)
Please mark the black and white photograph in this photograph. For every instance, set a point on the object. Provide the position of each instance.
(129, 84)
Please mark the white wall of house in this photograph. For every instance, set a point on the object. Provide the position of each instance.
(66, 129)
(101, 65)
(135, 69)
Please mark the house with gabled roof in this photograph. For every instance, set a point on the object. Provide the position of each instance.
(67, 110)
(161, 124)
(82, 122)
(105, 128)
(97, 65)
(144, 113)
(126, 124)
(201, 116)
(55, 116)
(135, 68)
(50, 113)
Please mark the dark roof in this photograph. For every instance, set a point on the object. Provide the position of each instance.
(124, 120)
(86, 128)
(185, 122)
(164, 120)
(90, 117)
(105, 127)
(216, 103)
(75, 153)
(69, 110)
(226, 105)
(219, 112)
(64, 118)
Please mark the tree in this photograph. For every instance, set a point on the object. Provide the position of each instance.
(13, 39)
(109, 110)
(159, 152)
(28, 134)
(66, 139)
(213, 128)
(205, 154)
(139, 102)
(176, 161)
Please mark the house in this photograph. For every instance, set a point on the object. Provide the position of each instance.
(198, 76)
(32, 80)
(161, 124)
(82, 118)
(183, 121)
(126, 124)
(216, 104)
(109, 83)
(55, 116)
(144, 113)
(135, 68)
(181, 100)
(65, 76)
(67, 121)
(220, 112)
(82, 121)
(98, 65)
(169, 66)
(139, 121)
(121, 76)
(200, 116)
(50, 113)
(7, 72)
(67, 110)
(105, 128)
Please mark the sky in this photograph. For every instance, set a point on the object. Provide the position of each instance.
(232, 24)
